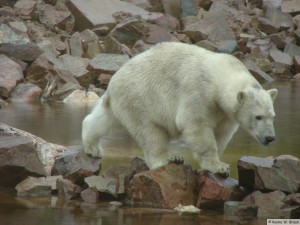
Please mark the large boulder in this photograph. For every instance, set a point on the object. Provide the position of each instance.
(281, 173)
(164, 187)
(23, 154)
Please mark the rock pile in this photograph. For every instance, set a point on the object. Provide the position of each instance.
(60, 46)
(36, 168)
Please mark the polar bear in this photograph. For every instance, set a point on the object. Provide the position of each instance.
(177, 89)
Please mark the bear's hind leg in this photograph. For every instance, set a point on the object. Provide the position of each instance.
(98, 123)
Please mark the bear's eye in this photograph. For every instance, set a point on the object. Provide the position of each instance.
(258, 117)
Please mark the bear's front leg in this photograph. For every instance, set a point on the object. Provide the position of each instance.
(202, 142)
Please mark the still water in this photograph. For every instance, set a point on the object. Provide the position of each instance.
(61, 124)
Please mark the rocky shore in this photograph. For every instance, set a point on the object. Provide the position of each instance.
(35, 168)
(68, 50)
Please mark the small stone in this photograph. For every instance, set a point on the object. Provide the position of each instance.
(90, 195)
(242, 209)
(82, 97)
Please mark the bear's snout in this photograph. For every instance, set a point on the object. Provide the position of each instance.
(269, 139)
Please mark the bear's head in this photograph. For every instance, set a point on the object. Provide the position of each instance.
(256, 113)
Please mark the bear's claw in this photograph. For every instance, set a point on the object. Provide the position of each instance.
(176, 160)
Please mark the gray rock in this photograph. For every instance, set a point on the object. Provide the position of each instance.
(90, 195)
(23, 154)
(269, 173)
(240, 209)
(106, 185)
(25, 8)
(280, 57)
(34, 187)
(11, 74)
(257, 72)
(291, 6)
(73, 164)
(26, 92)
(67, 189)
(95, 13)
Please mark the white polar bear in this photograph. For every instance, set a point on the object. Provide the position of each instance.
(176, 89)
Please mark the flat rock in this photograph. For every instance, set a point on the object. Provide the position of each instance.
(26, 92)
(291, 6)
(34, 187)
(292, 49)
(269, 174)
(267, 26)
(215, 190)
(164, 187)
(25, 8)
(81, 97)
(107, 63)
(23, 154)
(11, 74)
(95, 13)
(280, 57)
(73, 164)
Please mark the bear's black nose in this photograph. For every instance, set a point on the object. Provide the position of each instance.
(269, 139)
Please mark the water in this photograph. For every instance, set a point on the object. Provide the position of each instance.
(61, 124)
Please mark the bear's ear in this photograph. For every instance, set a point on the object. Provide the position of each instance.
(241, 97)
(273, 93)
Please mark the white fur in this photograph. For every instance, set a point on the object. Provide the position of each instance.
(178, 89)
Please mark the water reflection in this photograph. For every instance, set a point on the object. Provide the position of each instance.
(50, 211)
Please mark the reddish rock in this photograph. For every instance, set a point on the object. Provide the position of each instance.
(270, 204)
(90, 195)
(73, 164)
(164, 187)
(269, 174)
(11, 74)
(214, 189)
(138, 165)
(26, 92)
(67, 189)
(34, 187)
(23, 154)
(25, 8)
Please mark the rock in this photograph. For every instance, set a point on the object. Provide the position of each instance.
(121, 174)
(241, 209)
(34, 187)
(292, 49)
(76, 47)
(23, 154)
(215, 28)
(257, 72)
(292, 199)
(18, 27)
(269, 174)
(26, 92)
(2, 103)
(172, 8)
(296, 61)
(77, 66)
(65, 90)
(81, 97)
(90, 43)
(107, 63)
(273, 4)
(167, 22)
(53, 18)
(270, 204)
(89, 15)
(52, 181)
(106, 185)
(261, 59)
(164, 187)
(267, 26)
(11, 74)
(73, 164)
(67, 189)
(208, 45)
(283, 21)
(126, 34)
(138, 165)
(280, 57)
(90, 195)
(25, 8)
(189, 8)
(291, 6)
(214, 189)
(18, 46)
(264, 44)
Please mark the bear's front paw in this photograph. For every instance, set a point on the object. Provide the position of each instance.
(94, 151)
(176, 160)
(217, 167)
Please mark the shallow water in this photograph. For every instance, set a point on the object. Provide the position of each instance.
(61, 124)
